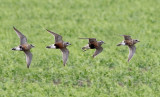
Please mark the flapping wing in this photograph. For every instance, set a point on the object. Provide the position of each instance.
(98, 50)
(23, 38)
(132, 50)
(58, 38)
(91, 40)
(65, 55)
(127, 37)
(28, 58)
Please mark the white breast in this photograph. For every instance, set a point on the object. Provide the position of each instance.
(123, 43)
(53, 46)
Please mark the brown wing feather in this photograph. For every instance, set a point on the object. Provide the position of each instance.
(127, 37)
(65, 55)
(58, 38)
(28, 58)
(132, 50)
(91, 40)
(98, 50)
(23, 39)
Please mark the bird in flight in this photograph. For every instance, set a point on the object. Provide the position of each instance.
(24, 46)
(128, 41)
(93, 44)
(60, 44)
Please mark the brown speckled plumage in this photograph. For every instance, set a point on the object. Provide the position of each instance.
(130, 43)
(60, 44)
(24, 46)
(93, 44)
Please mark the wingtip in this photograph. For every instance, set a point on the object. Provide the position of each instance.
(27, 66)
(50, 31)
(47, 29)
(128, 60)
(14, 27)
(64, 65)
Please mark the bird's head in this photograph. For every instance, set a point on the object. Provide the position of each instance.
(67, 43)
(135, 41)
(32, 46)
(101, 42)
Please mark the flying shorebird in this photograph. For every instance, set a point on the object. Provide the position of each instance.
(24, 46)
(60, 44)
(131, 44)
(93, 44)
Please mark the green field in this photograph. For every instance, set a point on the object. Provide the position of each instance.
(107, 75)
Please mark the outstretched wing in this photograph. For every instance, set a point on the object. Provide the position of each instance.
(91, 40)
(65, 55)
(28, 58)
(98, 50)
(23, 38)
(127, 37)
(132, 50)
(58, 38)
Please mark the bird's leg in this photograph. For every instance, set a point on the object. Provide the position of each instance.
(85, 47)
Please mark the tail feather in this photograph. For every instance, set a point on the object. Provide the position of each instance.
(119, 44)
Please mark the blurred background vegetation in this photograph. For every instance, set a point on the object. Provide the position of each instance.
(109, 74)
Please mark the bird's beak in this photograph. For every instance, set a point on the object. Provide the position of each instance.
(138, 41)
(32, 46)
